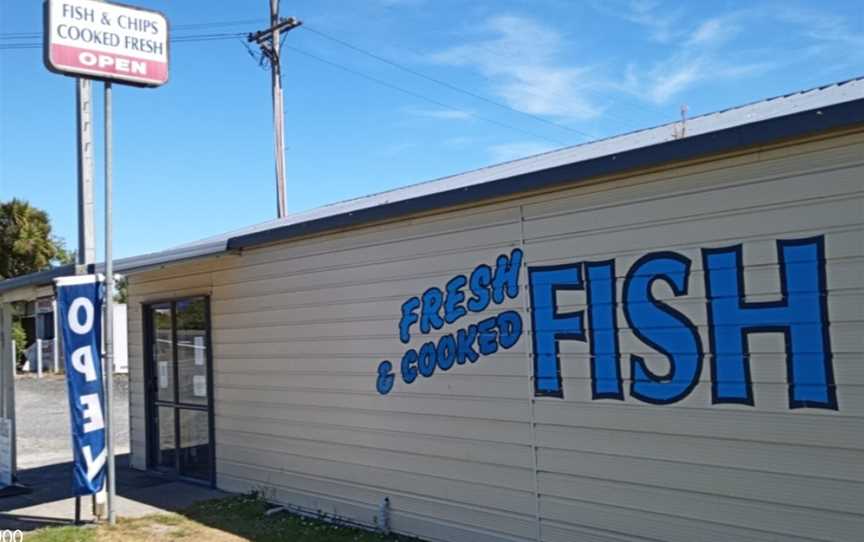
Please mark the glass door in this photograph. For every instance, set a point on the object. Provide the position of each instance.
(178, 373)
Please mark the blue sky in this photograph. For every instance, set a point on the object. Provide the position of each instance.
(194, 158)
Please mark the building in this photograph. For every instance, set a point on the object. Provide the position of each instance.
(656, 336)
(44, 342)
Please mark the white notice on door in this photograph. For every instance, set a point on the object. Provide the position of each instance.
(198, 346)
(199, 385)
(163, 374)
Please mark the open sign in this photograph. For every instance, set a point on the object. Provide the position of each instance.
(79, 303)
(106, 41)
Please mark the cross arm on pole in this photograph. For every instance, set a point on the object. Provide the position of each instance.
(284, 25)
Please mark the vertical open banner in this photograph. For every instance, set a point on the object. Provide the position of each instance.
(79, 302)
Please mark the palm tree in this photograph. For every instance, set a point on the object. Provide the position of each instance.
(26, 242)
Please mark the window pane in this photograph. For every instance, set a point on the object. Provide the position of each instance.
(163, 353)
(45, 325)
(192, 350)
(165, 449)
(194, 444)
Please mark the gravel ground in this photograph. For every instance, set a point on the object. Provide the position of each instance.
(42, 418)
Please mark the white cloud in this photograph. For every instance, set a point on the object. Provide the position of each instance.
(527, 64)
(520, 56)
(714, 31)
(701, 55)
(823, 27)
(662, 22)
(666, 83)
(512, 151)
(674, 76)
(444, 114)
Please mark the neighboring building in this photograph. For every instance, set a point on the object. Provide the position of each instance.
(647, 337)
(38, 323)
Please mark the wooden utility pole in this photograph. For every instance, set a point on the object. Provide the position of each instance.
(268, 40)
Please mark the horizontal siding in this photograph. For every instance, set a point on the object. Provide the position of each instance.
(736, 471)
(411, 513)
(299, 329)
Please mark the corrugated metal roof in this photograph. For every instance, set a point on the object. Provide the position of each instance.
(662, 141)
(36, 279)
(778, 107)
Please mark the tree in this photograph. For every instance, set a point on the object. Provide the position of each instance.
(20, 338)
(26, 242)
(121, 289)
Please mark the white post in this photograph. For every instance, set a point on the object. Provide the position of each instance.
(39, 358)
(86, 200)
(14, 358)
(109, 310)
(5, 335)
(7, 374)
(56, 348)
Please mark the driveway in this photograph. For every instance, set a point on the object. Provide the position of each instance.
(45, 455)
(42, 419)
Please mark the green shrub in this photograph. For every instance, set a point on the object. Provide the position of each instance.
(20, 338)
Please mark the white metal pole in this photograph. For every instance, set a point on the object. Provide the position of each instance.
(109, 311)
(7, 378)
(56, 349)
(39, 358)
(14, 358)
(86, 202)
(5, 335)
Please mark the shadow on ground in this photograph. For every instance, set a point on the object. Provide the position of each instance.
(49, 500)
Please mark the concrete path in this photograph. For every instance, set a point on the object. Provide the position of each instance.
(50, 501)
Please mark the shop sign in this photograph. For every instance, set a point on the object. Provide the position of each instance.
(106, 41)
(800, 314)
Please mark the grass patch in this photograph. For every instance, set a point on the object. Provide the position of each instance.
(62, 534)
(232, 519)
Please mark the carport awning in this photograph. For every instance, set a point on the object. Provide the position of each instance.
(29, 287)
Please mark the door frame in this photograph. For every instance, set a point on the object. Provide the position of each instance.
(151, 404)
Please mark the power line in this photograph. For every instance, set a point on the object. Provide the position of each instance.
(422, 96)
(445, 83)
(204, 37)
(8, 46)
(12, 46)
(21, 36)
(189, 26)
(14, 36)
(475, 95)
(189, 38)
(217, 24)
(178, 39)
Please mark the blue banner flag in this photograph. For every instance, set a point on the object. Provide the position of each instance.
(79, 303)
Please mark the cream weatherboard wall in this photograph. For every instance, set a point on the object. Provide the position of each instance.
(300, 329)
